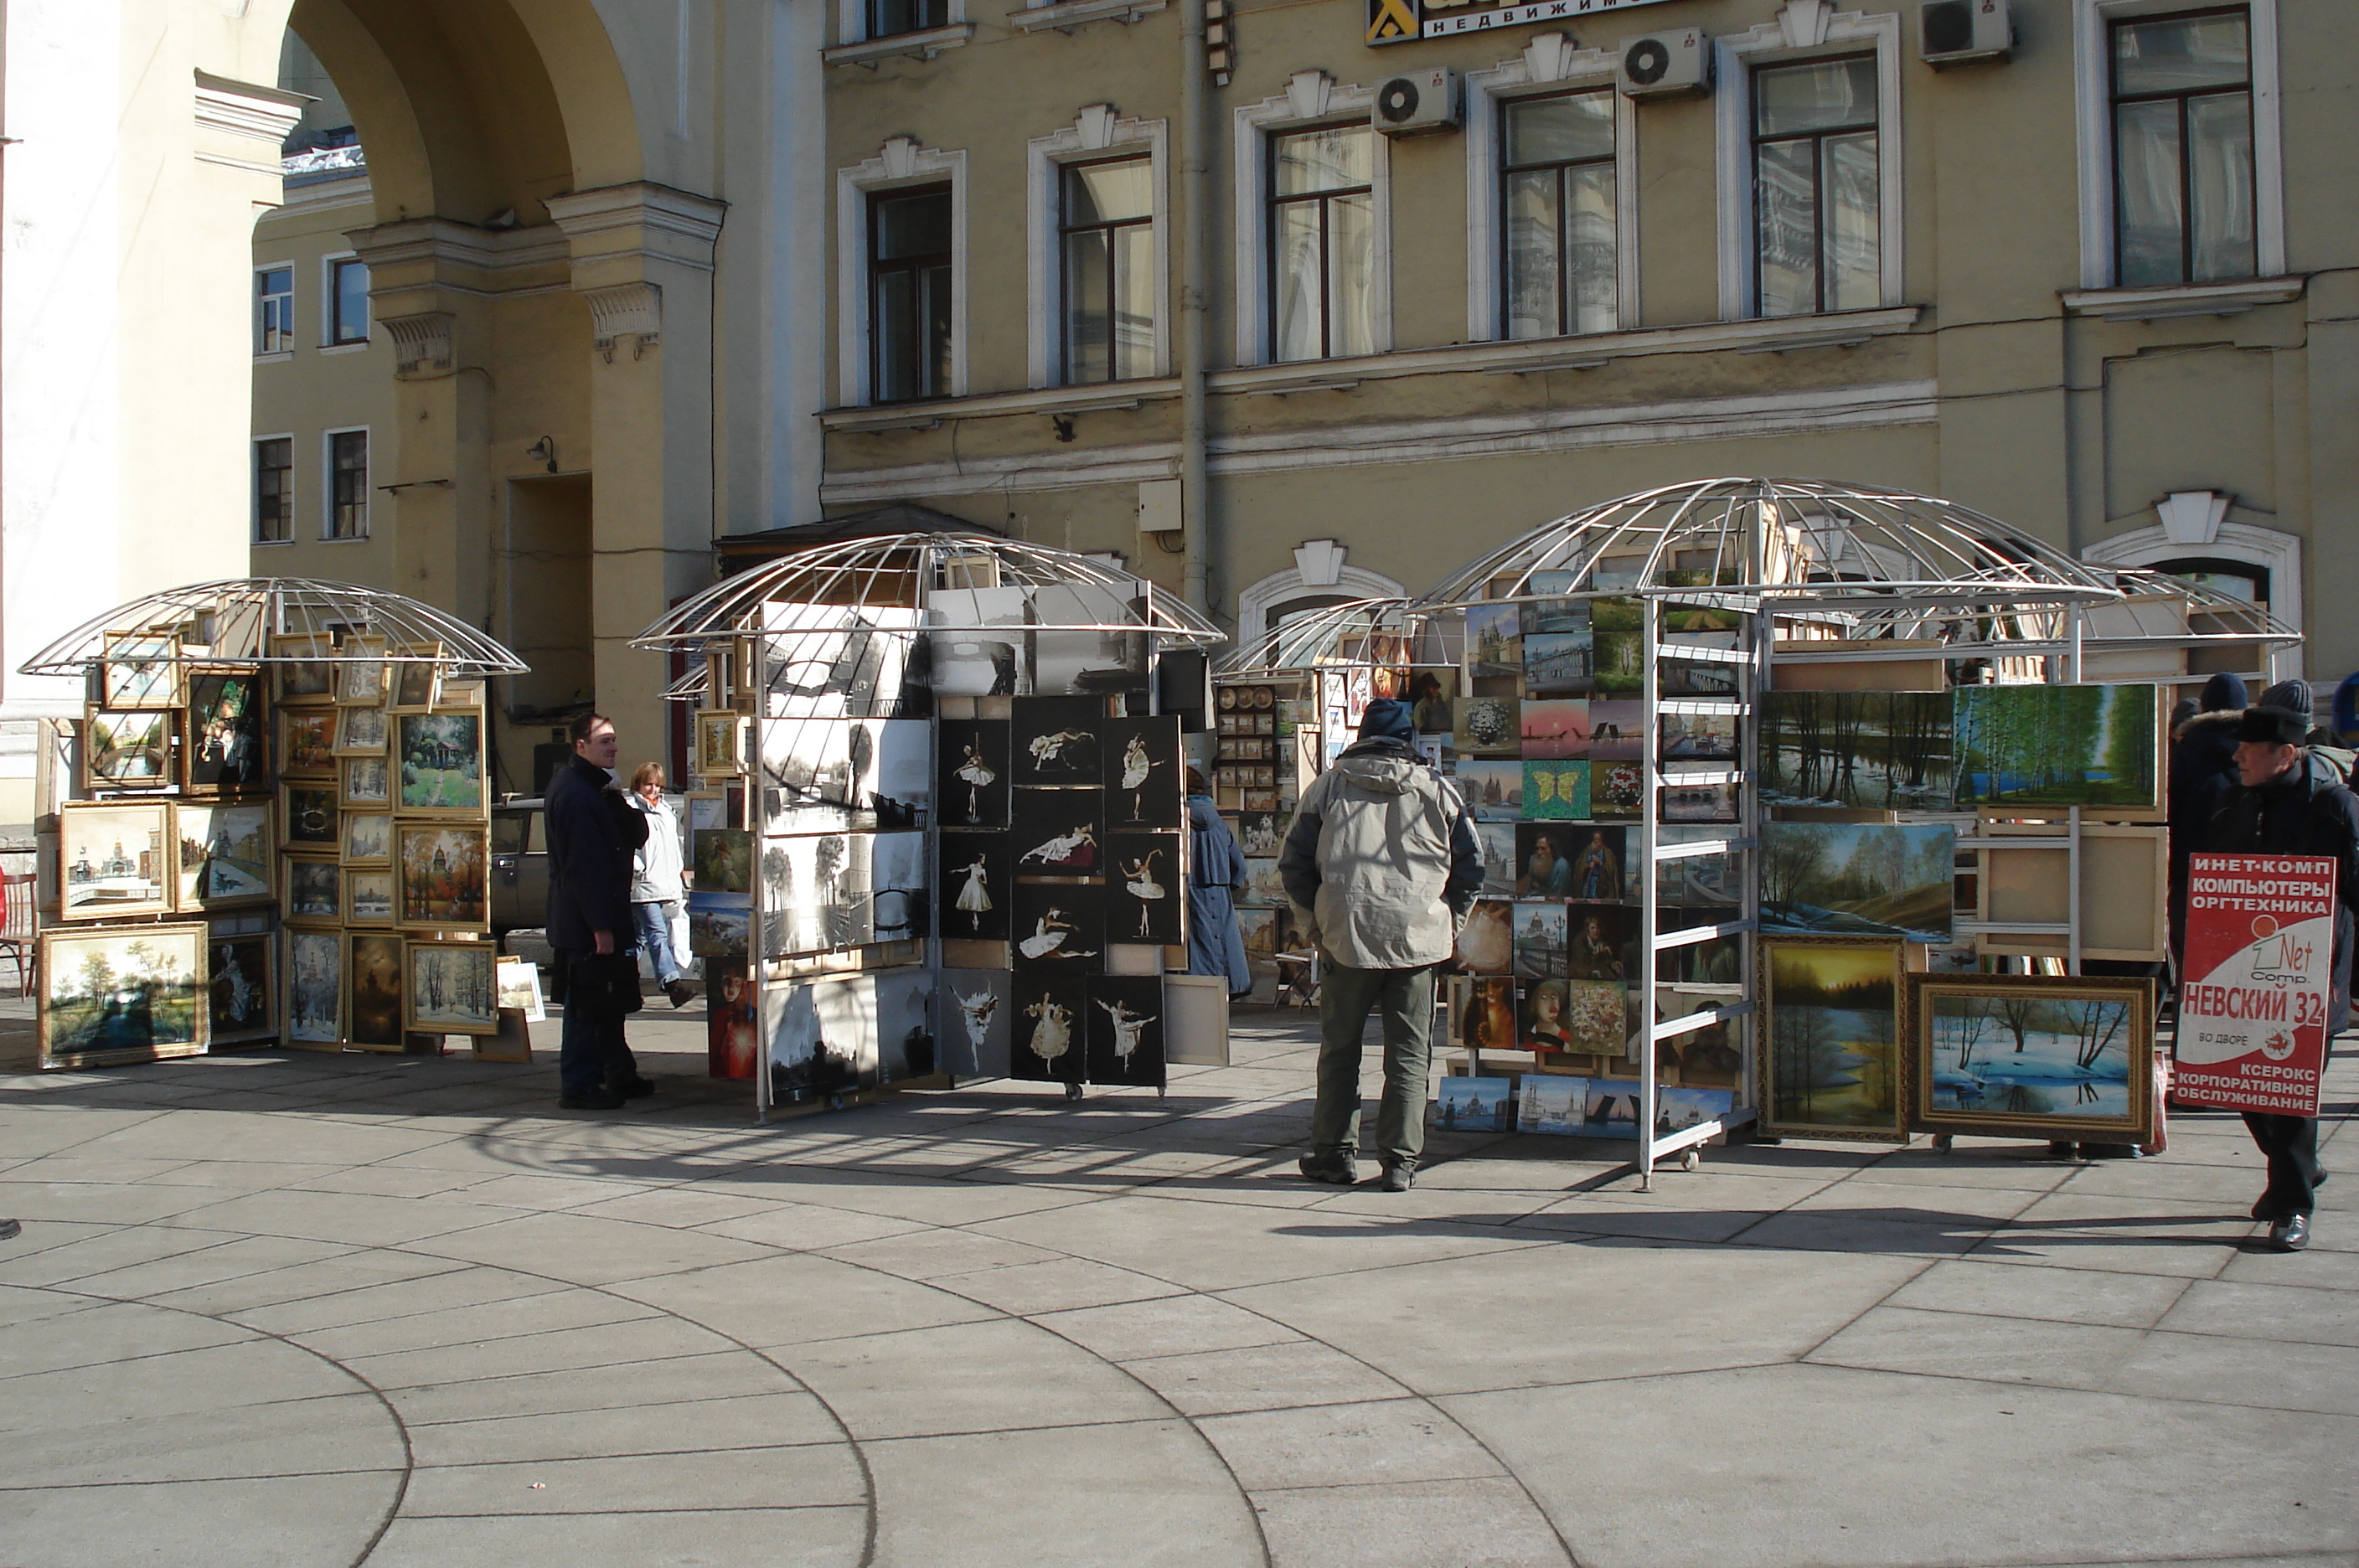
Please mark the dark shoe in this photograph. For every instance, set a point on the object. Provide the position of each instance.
(2265, 1210)
(637, 1088)
(1399, 1178)
(1335, 1167)
(680, 992)
(2290, 1234)
(595, 1100)
(2112, 1151)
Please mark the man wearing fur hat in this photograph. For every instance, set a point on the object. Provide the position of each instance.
(1382, 865)
(2289, 802)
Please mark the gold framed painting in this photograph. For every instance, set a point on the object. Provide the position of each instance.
(372, 990)
(719, 746)
(452, 987)
(307, 817)
(241, 988)
(314, 998)
(368, 898)
(439, 761)
(414, 679)
(141, 670)
(130, 750)
(363, 782)
(361, 673)
(360, 731)
(229, 740)
(2055, 1058)
(115, 859)
(306, 678)
(225, 854)
(116, 995)
(367, 839)
(1830, 1049)
(312, 889)
(307, 743)
(443, 872)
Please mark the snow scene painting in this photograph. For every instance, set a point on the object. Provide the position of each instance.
(2038, 1055)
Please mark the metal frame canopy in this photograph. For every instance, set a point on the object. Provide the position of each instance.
(232, 620)
(1375, 632)
(901, 572)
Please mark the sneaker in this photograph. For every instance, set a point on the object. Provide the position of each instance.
(637, 1088)
(1399, 1178)
(2290, 1234)
(595, 1100)
(680, 992)
(1335, 1167)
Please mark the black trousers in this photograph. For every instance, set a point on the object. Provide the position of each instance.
(2291, 1145)
(592, 1054)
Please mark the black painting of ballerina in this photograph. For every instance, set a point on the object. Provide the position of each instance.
(1060, 832)
(1049, 1043)
(1059, 927)
(1143, 887)
(976, 879)
(973, 786)
(1058, 740)
(1125, 1029)
(1142, 772)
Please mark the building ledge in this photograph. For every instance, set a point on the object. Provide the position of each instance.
(1100, 396)
(2185, 300)
(1064, 16)
(921, 45)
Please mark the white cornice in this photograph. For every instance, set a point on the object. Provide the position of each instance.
(246, 109)
(922, 45)
(2189, 300)
(673, 225)
(1065, 15)
(464, 245)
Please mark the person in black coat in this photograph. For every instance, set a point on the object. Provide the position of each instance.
(2203, 771)
(2289, 802)
(593, 836)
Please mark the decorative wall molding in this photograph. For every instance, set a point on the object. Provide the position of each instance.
(1065, 15)
(900, 161)
(421, 342)
(633, 308)
(1312, 97)
(642, 220)
(1256, 600)
(1098, 129)
(2192, 517)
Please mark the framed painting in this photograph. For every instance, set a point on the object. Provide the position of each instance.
(973, 788)
(414, 681)
(122, 995)
(365, 782)
(228, 746)
(314, 889)
(242, 989)
(368, 898)
(226, 853)
(440, 758)
(2052, 1057)
(360, 731)
(2099, 746)
(723, 859)
(130, 750)
(367, 839)
(1831, 1059)
(306, 816)
(307, 743)
(519, 988)
(361, 672)
(306, 678)
(372, 990)
(314, 1006)
(1876, 750)
(452, 988)
(141, 670)
(115, 860)
(1858, 880)
(718, 743)
(445, 876)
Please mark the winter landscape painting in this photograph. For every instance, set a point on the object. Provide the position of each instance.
(2066, 1058)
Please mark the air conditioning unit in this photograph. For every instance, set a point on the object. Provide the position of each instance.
(1665, 65)
(1961, 32)
(1416, 104)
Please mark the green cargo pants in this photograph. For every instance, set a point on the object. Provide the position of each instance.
(1345, 995)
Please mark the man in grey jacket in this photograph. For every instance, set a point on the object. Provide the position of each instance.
(1382, 865)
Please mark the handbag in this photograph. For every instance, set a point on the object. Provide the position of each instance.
(612, 979)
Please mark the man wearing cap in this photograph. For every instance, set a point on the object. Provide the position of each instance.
(2288, 801)
(1382, 865)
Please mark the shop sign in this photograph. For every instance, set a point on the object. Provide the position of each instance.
(1400, 21)
(2252, 1008)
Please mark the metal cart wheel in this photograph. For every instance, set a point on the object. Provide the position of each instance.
(1690, 1158)
(1072, 1092)
(1943, 1143)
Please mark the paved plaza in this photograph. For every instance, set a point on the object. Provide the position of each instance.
(283, 1309)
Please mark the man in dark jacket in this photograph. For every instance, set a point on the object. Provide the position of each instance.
(2203, 771)
(1382, 865)
(2289, 802)
(593, 836)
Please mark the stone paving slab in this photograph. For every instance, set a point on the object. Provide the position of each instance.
(363, 1311)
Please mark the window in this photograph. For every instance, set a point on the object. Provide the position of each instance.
(1106, 233)
(1321, 243)
(274, 310)
(887, 17)
(348, 301)
(910, 293)
(1817, 225)
(2183, 173)
(273, 490)
(1557, 206)
(348, 485)
(2236, 579)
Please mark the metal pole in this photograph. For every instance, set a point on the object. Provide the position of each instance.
(1194, 304)
(1649, 841)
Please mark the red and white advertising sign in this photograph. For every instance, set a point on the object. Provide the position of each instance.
(2252, 1008)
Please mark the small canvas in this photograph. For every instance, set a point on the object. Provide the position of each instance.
(1566, 860)
(307, 742)
(225, 855)
(305, 676)
(733, 1030)
(1258, 928)
(314, 890)
(2065, 1058)
(898, 886)
(973, 789)
(308, 816)
(1494, 642)
(1264, 885)
(1482, 1012)
(1124, 1035)
(1144, 785)
(1552, 1103)
(1689, 802)
(367, 838)
(1431, 693)
(369, 899)
(978, 886)
(141, 669)
(1059, 926)
(1831, 1060)
(360, 731)
(980, 651)
(228, 742)
(445, 870)
(1699, 737)
(720, 925)
(365, 782)
(1474, 1105)
(1556, 728)
(1858, 880)
(1615, 789)
(1049, 1028)
(452, 988)
(242, 989)
(130, 750)
(1144, 888)
(441, 756)
(1497, 841)
(1617, 730)
(1557, 662)
(1611, 1108)
(1596, 1018)
(978, 1022)
(518, 980)
(1060, 832)
(1541, 1023)
(1258, 832)
(1493, 791)
(116, 859)
(373, 991)
(315, 987)
(1539, 937)
(1487, 726)
(1601, 944)
(1555, 791)
(722, 859)
(1057, 740)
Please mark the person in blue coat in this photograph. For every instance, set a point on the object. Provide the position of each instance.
(1216, 868)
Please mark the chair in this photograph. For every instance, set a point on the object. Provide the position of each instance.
(1298, 978)
(20, 930)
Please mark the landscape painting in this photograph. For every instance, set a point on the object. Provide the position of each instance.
(1830, 1062)
(1558, 727)
(315, 987)
(1540, 938)
(116, 860)
(1474, 1105)
(2059, 746)
(1493, 791)
(1858, 879)
(1874, 750)
(445, 872)
(1550, 1102)
(226, 853)
(2060, 1058)
(442, 758)
(122, 995)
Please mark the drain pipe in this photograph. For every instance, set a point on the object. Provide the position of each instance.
(1195, 305)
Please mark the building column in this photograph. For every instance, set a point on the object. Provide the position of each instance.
(642, 260)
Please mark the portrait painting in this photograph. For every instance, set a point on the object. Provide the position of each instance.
(373, 991)
(1830, 1063)
(452, 988)
(1431, 693)
(442, 760)
(1541, 1020)
(242, 989)
(120, 996)
(723, 859)
(445, 870)
(1601, 943)
(733, 1028)
(315, 986)
(227, 747)
(1144, 888)
(225, 854)
(130, 750)
(116, 860)
(1545, 854)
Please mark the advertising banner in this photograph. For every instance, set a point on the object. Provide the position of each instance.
(1405, 21)
(2252, 1008)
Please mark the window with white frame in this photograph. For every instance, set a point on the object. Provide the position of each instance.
(909, 265)
(2182, 88)
(274, 310)
(348, 301)
(1817, 230)
(1322, 243)
(888, 18)
(348, 486)
(1558, 208)
(273, 490)
(1107, 258)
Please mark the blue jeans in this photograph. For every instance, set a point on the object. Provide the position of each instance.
(654, 922)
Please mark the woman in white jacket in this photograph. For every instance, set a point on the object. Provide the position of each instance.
(656, 878)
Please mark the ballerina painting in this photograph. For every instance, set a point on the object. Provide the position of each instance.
(1053, 937)
(1073, 851)
(1136, 770)
(1127, 1027)
(1056, 748)
(974, 898)
(1052, 1030)
(1138, 881)
(975, 774)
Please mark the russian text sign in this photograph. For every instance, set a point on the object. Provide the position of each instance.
(2252, 1008)
(1404, 21)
